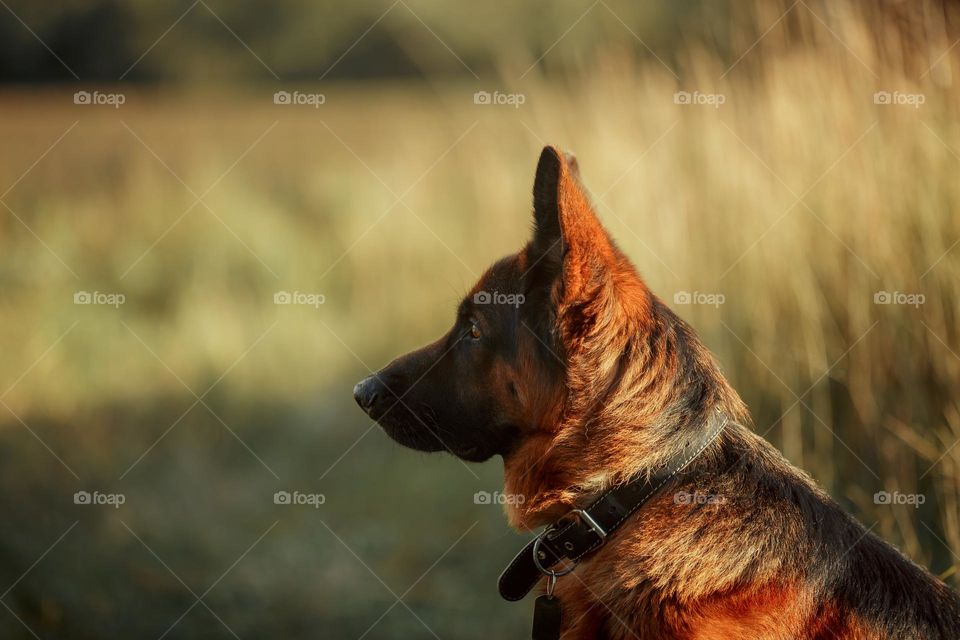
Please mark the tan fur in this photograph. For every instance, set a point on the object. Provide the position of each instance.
(733, 586)
(595, 381)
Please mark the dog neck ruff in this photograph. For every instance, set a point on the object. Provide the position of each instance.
(583, 531)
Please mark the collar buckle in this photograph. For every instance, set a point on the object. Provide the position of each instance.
(588, 519)
(539, 556)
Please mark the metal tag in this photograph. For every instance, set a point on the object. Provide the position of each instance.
(546, 618)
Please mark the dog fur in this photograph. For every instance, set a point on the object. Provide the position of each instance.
(592, 380)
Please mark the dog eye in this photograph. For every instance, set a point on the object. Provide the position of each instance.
(475, 331)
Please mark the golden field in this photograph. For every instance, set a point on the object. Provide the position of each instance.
(789, 209)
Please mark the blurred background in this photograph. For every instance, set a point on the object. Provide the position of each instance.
(216, 217)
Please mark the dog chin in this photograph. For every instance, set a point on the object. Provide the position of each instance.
(473, 454)
(411, 436)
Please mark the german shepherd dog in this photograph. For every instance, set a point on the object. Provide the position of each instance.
(562, 362)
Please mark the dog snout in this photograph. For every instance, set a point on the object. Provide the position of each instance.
(368, 392)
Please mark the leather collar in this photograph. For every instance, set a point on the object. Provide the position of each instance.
(583, 531)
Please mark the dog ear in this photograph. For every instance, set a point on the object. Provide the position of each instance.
(547, 244)
(569, 244)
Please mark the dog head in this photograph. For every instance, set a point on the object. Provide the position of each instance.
(550, 346)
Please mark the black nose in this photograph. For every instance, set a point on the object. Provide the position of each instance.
(367, 392)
